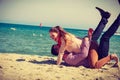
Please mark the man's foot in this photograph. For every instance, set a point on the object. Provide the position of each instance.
(103, 13)
(90, 32)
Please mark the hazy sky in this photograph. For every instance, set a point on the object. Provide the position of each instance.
(66, 13)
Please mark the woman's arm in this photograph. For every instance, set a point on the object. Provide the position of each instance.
(85, 46)
(59, 59)
(61, 52)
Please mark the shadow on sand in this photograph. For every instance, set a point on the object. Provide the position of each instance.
(43, 62)
(50, 61)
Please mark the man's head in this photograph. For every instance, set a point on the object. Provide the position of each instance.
(55, 50)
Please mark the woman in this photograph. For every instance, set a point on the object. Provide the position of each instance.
(69, 42)
(94, 49)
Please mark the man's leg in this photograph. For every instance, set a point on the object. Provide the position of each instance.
(93, 55)
(104, 41)
(105, 15)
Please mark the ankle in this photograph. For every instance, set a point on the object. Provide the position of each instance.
(114, 57)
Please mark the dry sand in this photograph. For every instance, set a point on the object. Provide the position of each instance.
(32, 67)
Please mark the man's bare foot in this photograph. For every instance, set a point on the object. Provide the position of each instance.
(90, 32)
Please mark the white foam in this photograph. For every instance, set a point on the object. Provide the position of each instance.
(34, 34)
(13, 28)
(117, 34)
(41, 35)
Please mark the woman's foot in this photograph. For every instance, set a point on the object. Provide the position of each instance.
(114, 57)
(103, 13)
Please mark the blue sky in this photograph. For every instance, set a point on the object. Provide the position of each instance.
(79, 14)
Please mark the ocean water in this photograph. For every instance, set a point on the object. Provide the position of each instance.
(35, 40)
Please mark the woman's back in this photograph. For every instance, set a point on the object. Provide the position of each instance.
(74, 45)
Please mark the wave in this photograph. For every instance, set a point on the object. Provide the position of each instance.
(117, 33)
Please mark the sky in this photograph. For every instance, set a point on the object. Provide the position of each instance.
(80, 14)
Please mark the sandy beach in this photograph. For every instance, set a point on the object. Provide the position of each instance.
(33, 67)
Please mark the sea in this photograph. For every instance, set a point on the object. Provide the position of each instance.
(35, 40)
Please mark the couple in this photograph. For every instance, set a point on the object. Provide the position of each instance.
(86, 52)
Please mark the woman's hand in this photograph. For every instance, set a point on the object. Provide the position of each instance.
(59, 59)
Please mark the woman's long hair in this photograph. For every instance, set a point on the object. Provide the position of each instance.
(61, 33)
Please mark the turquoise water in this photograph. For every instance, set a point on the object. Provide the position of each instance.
(26, 39)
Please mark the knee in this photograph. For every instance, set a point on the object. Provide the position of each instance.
(94, 65)
(97, 66)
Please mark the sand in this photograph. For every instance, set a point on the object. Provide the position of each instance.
(33, 67)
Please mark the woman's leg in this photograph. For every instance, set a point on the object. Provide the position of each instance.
(102, 62)
(106, 59)
(104, 41)
(105, 15)
(93, 57)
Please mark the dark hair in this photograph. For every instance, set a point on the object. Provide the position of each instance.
(54, 51)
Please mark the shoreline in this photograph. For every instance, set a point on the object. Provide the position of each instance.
(34, 67)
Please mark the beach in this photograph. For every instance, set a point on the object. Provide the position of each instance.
(33, 67)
